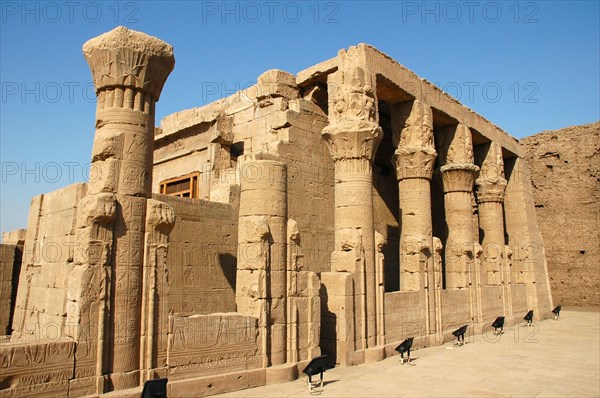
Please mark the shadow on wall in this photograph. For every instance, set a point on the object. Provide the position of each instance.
(228, 263)
(391, 269)
(328, 328)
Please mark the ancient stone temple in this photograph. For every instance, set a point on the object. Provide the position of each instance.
(337, 211)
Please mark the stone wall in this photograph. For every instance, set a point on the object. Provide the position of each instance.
(40, 310)
(310, 183)
(10, 265)
(202, 256)
(273, 117)
(565, 174)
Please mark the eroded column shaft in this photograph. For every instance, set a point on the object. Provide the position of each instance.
(491, 215)
(459, 246)
(354, 223)
(262, 252)
(416, 234)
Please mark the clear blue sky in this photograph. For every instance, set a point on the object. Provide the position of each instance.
(526, 66)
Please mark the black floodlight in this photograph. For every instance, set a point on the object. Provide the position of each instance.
(156, 388)
(529, 318)
(404, 347)
(498, 324)
(460, 335)
(556, 312)
(317, 366)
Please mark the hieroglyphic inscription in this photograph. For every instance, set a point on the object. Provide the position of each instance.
(212, 343)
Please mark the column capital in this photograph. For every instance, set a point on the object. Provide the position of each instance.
(414, 162)
(491, 182)
(459, 177)
(124, 58)
(415, 155)
(493, 192)
(353, 131)
(352, 140)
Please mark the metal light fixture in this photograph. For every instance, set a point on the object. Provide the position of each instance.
(316, 366)
(556, 312)
(156, 388)
(404, 347)
(498, 324)
(460, 335)
(529, 318)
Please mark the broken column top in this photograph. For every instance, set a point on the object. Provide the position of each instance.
(127, 58)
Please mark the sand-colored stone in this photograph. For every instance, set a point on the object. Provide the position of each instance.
(329, 212)
(565, 173)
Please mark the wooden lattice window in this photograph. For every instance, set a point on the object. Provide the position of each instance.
(185, 186)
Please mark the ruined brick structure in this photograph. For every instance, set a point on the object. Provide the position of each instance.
(337, 211)
(565, 172)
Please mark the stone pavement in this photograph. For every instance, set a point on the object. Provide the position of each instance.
(552, 359)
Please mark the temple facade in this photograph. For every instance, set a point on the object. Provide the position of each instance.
(338, 212)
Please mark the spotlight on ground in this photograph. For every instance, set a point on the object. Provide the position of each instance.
(556, 312)
(316, 366)
(529, 318)
(404, 347)
(156, 388)
(460, 335)
(498, 324)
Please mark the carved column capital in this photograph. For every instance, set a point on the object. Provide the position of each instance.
(491, 192)
(415, 155)
(353, 133)
(126, 58)
(353, 140)
(459, 177)
(491, 182)
(414, 162)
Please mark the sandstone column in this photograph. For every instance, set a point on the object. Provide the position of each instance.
(437, 287)
(262, 256)
(129, 70)
(380, 243)
(88, 290)
(160, 219)
(352, 136)
(414, 160)
(490, 196)
(458, 175)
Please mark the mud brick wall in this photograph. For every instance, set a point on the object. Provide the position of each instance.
(565, 174)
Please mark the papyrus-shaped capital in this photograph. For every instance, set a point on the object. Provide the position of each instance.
(126, 58)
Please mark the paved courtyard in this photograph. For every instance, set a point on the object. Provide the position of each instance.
(553, 359)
